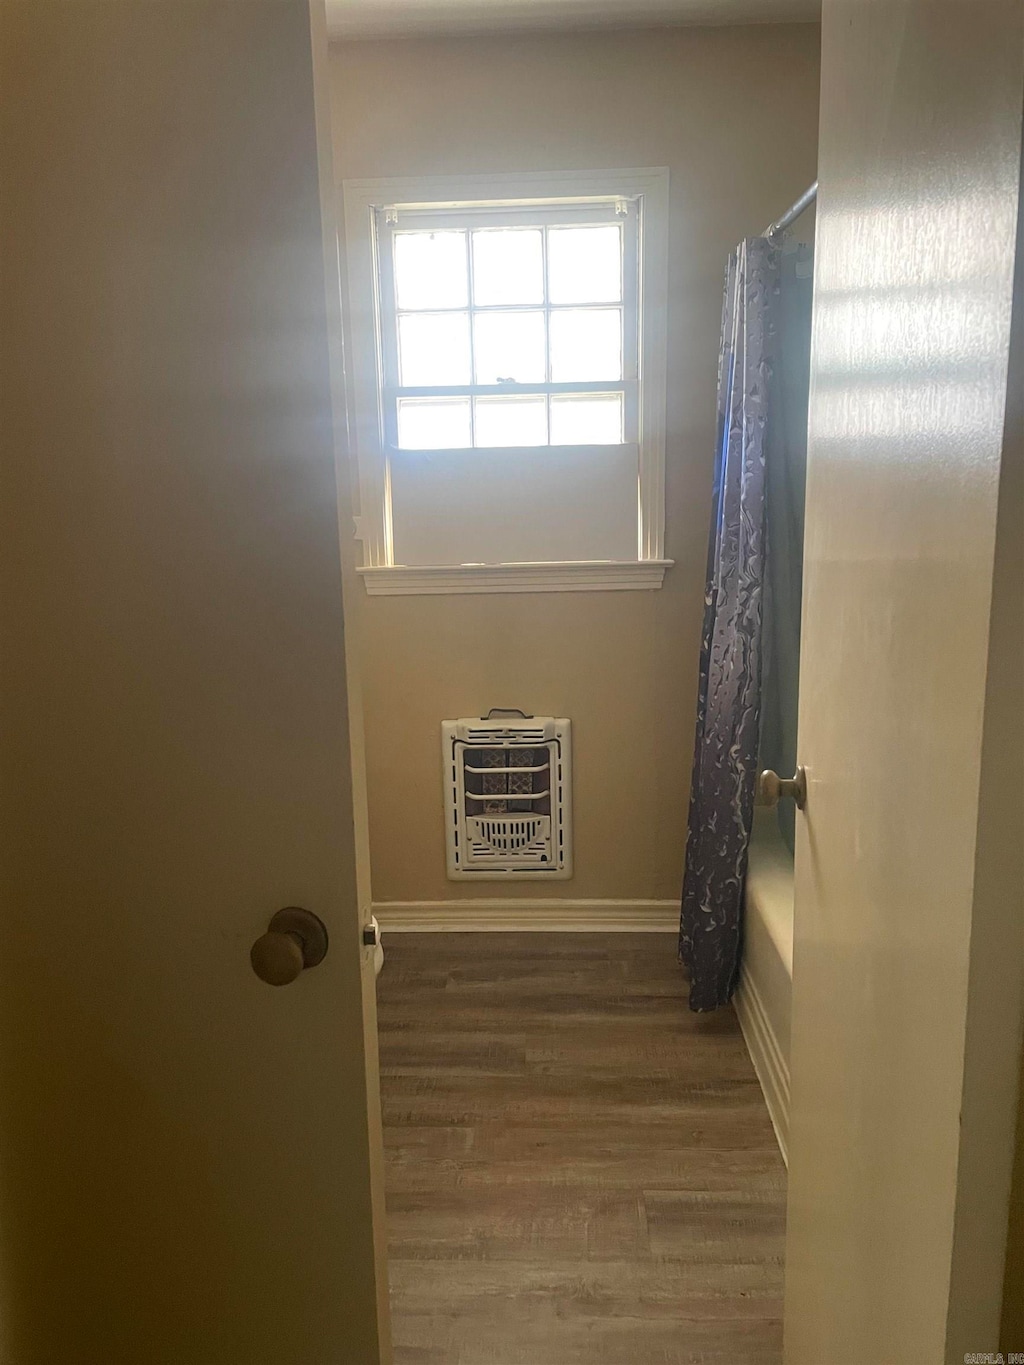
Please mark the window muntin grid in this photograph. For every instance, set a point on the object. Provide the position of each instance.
(562, 320)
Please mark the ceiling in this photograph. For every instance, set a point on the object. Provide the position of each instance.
(404, 18)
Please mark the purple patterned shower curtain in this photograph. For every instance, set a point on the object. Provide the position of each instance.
(728, 700)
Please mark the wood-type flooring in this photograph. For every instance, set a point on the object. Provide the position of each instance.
(579, 1170)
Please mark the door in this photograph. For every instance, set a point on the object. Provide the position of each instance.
(188, 1152)
(908, 951)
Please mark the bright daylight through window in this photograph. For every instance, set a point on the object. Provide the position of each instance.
(508, 367)
(511, 336)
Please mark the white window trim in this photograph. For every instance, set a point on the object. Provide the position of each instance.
(360, 200)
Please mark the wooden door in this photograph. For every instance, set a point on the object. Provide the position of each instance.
(908, 951)
(188, 1153)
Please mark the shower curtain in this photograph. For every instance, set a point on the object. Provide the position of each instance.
(728, 702)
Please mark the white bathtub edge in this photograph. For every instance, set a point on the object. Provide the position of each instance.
(769, 1063)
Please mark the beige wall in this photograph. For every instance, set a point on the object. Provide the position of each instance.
(733, 112)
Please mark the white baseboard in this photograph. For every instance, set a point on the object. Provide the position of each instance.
(552, 916)
(771, 1067)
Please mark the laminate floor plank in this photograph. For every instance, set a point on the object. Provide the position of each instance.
(579, 1170)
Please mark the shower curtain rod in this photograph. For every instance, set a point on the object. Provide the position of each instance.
(805, 201)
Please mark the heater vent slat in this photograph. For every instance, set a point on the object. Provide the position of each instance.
(508, 790)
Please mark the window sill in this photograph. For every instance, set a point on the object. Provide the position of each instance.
(577, 576)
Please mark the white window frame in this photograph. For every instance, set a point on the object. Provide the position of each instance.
(647, 190)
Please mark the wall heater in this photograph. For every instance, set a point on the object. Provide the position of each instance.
(508, 797)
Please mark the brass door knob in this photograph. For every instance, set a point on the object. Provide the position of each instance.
(771, 788)
(295, 939)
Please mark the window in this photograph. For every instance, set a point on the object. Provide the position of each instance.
(507, 361)
(506, 328)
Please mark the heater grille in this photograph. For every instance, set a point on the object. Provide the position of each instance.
(508, 804)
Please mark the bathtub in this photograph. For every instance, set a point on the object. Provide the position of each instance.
(764, 995)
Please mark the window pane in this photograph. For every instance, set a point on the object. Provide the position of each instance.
(433, 348)
(508, 266)
(511, 421)
(430, 270)
(509, 346)
(585, 264)
(593, 419)
(586, 344)
(433, 423)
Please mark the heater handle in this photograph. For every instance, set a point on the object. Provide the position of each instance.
(506, 711)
